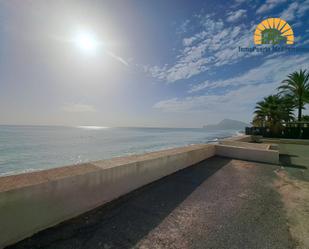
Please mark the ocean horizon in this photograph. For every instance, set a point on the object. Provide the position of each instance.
(27, 148)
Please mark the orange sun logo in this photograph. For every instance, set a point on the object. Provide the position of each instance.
(273, 31)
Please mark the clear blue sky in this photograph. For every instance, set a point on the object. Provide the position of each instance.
(150, 63)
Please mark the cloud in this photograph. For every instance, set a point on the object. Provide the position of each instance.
(235, 16)
(237, 3)
(76, 108)
(290, 12)
(184, 27)
(216, 45)
(269, 5)
(295, 10)
(232, 102)
(118, 58)
(259, 75)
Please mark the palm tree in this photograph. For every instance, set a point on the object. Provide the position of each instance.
(272, 111)
(296, 87)
(261, 113)
(287, 106)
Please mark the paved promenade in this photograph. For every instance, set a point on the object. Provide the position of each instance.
(219, 203)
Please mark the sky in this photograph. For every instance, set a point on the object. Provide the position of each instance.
(167, 63)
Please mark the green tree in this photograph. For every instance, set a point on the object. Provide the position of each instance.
(272, 111)
(296, 87)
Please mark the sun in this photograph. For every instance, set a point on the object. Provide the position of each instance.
(86, 41)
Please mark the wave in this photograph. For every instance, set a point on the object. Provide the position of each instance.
(239, 133)
(16, 172)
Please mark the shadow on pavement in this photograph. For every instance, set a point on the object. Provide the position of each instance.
(125, 221)
(286, 161)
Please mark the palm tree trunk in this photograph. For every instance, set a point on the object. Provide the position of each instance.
(299, 117)
(299, 111)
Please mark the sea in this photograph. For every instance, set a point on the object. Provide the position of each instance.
(32, 148)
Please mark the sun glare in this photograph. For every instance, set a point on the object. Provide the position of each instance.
(86, 42)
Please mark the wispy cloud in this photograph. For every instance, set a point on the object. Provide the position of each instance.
(240, 1)
(234, 16)
(295, 9)
(259, 75)
(184, 27)
(229, 103)
(216, 45)
(269, 5)
(76, 108)
(118, 58)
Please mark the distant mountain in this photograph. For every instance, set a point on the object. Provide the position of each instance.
(227, 124)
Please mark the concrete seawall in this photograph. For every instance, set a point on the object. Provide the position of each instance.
(34, 201)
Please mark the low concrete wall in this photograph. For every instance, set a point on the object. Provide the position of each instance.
(34, 201)
(246, 145)
(247, 153)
